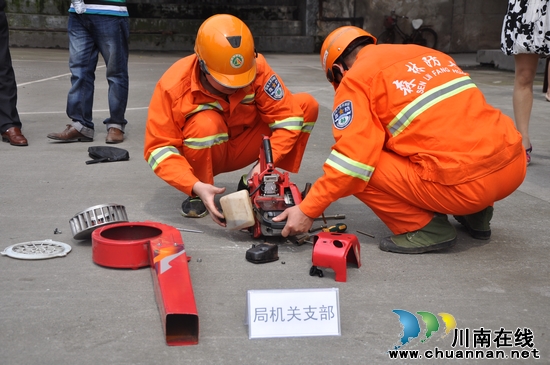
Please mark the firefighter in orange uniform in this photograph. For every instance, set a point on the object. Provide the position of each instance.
(415, 141)
(210, 110)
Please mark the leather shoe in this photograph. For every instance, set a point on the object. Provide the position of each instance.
(14, 136)
(70, 134)
(114, 135)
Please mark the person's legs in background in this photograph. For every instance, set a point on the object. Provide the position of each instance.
(110, 34)
(545, 88)
(10, 124)
(83, 56)
(525, 70)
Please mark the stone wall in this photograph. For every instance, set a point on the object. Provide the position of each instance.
(461, 25)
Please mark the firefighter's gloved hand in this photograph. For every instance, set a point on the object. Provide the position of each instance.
(79, 6)
(296, 221)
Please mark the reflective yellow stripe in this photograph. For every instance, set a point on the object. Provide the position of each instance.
(349, 167)
(291, 124)
(308, 127)
(427, 100)
(160, 154)
(206, 142)
(248, 99)
(209, 106)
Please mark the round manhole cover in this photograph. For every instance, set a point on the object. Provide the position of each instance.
(37, 250)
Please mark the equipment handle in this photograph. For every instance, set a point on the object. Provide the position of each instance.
(307, 188)
(267, 151)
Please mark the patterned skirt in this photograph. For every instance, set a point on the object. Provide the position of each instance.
(526, 28)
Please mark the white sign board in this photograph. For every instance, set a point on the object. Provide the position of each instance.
(293, 313)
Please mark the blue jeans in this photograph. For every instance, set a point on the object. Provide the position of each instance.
(90, 35)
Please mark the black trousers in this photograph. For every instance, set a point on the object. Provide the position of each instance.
(9, 117)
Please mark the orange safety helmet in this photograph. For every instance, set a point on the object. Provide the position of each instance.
(334, 46)
(225, 49)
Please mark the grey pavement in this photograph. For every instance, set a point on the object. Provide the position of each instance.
(68, 310)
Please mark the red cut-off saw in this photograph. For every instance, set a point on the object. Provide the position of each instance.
(271, 192)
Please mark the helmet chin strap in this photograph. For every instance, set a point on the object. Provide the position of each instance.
(344, 66)
(203, 67)
(208, 86)
(343, 69)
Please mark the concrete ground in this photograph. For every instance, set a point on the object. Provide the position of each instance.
(69, 310)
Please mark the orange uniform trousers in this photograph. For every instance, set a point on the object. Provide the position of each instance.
(243, 146)
(406, 203)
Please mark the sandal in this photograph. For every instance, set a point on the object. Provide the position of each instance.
(528, 153)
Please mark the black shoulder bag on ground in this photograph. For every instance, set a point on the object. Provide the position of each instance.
(107, 154)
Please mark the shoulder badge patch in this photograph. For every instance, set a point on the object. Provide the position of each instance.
(273, 88)
(342, 115)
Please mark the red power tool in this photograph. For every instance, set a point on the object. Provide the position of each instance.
(271, 192)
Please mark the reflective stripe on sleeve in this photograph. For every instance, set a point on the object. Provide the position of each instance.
(160, 154)
(291, 124)
(427, 100)
(206, 142)
(308, 127)
(349, 167)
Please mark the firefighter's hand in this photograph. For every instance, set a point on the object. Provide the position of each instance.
(296, 221)
(207, 193)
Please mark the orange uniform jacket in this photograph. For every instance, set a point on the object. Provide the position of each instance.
(179, 96)
(417, 103)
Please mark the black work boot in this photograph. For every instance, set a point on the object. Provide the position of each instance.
(439, 234)
(193, 208)
(478, 224)
(243, 183)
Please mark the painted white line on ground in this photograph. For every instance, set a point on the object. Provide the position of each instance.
(49, 78)
(95, 110)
